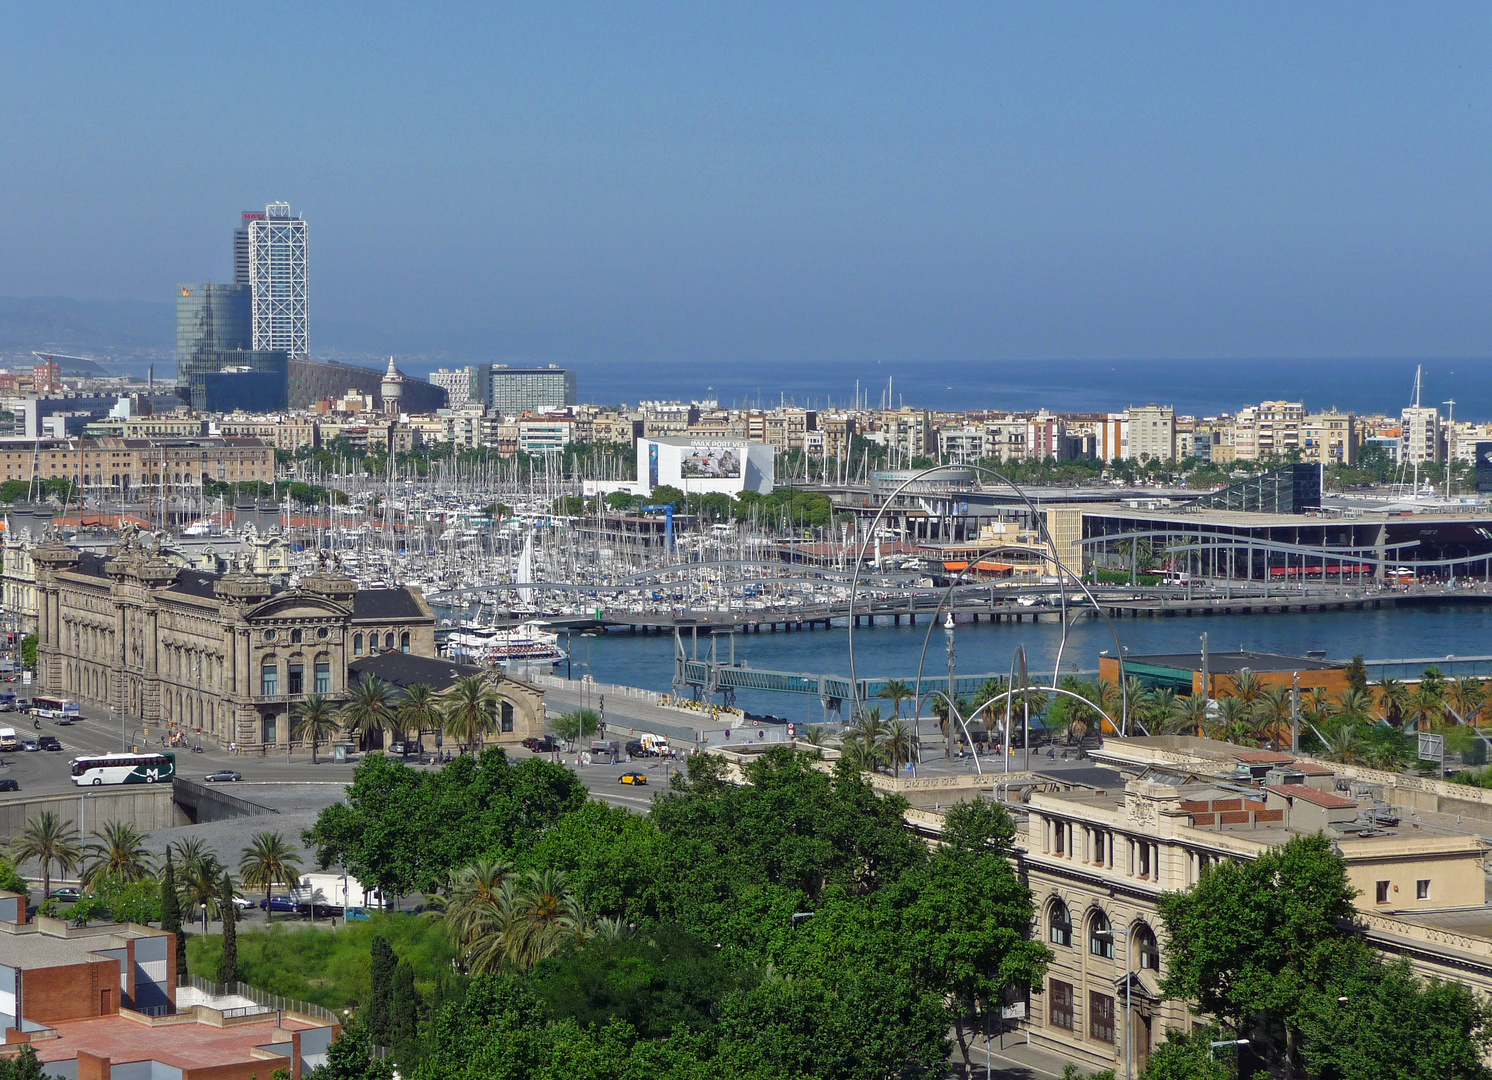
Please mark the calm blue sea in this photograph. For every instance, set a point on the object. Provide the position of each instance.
(1198, 387)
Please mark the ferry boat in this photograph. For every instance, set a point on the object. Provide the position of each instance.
(526, 644)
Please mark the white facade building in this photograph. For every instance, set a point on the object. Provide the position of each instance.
(703, 464)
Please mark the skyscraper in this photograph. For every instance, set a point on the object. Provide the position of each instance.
(216, 366)
(277, 279)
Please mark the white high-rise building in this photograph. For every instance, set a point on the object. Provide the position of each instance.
(277, 280)
(1420, 441)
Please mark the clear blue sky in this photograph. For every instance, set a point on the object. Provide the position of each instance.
(825, 182)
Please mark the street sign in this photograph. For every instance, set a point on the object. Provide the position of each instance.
(1432, 748)
(792, 730)
(1014, 1012)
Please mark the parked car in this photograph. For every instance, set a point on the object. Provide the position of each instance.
(29, 746)
(637, 749)
(67, 895)
(242, 904)
(222, 776)
(633, 778)
(9, 785)
(49, 742)
(399, 749)
(280, 903)
(355, 913)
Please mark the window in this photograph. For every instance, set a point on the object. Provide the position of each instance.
(388, 640)
(1101, 1016)
(269, 635)
(1144, 860)
(1422, 889)
(321, 632)
(1060, 924)
(404, 647)
(1100, 938)
(268, 729)
(1059, 1013)
(297, 679)
(1382, 892)
(269, 679)
(357, 644)
(1146, 948)
(507, 706)
(1061, 828)
(323, 677)
(295, 637)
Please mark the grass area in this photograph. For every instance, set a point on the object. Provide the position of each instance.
(323, 966)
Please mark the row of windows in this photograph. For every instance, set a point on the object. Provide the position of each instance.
(295, 678)
(297, 635)
(388, 642)
(1101, 935)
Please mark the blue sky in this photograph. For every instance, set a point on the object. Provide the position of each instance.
(826, 183)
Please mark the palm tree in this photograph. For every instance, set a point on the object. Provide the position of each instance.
(1393, 696)
(814, 736)
(1425, 707)
(900, 744)
(201, 883)
(1355, 705)
(418, 710)
(896, 691)
(547, 916)
(1231, 721)
(188, 850)
(1158, 707)
(1344, 744)
(869, 726)
(1467, 697)
(1192, 712)
(474, 900)
(858, 754)
(48, 839)
(118, 854)
(269, 861)
(993, 690)
(1246, 687)
(1274, 711)
(369, 707)
(315, 718)
(468, 710)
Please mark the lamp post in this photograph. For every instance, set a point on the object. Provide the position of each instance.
(1212, 1046)
(204, 920)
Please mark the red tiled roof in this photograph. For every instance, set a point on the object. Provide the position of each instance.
(1311, 795)
(1314, 770)
(1263, 757)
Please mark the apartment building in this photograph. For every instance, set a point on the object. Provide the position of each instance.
(962, 444)
(1420, 440)
(1102, 848)
(545, 434)
(1329, 438)
(1046, 437)
(126, 465)
(282, 432)
(1152, 433)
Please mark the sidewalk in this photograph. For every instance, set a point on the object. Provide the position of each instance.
(1017, 1061)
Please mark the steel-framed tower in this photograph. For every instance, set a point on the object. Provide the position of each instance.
(277, 279)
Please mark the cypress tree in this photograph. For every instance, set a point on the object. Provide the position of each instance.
(377, 1015)
(228, 965)
(171, 917)
(404, 1015)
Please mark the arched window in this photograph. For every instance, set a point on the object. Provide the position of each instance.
(404, 641)
(357, 644)
(1059, 922)
(295, 637)
(1100, 937)
(388, 640)
(1146, 947)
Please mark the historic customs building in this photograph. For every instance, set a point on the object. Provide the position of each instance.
(228, 653)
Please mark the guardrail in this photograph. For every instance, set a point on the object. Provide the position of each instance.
(267, 1002)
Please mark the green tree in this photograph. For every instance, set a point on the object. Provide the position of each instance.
(228, 962)
(376, 1014)
(117, 853)
(171, 917)
(1357, 674)
(269, 861)
(28, 652)
(24, 1065)
(1188, 1056)
(419, 710)
(469, 708)
(896, 691)
(314, 718)
(369, 708)
(1244, 939)
(404, 1011)
(47, 839)
(582, 723)
(10, 878)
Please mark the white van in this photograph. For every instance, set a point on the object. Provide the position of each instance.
(8, 740)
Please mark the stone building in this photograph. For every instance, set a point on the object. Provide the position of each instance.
(228, 654)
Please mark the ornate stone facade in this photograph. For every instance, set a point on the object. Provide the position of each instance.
(227, 654)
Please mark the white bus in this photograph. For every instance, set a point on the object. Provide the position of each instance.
(123, 769)
(58, 709)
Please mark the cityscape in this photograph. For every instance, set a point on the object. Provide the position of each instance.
(505, 707)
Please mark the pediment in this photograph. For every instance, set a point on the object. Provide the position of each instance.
(298, 605)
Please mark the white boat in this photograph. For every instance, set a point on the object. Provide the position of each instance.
(526, 643)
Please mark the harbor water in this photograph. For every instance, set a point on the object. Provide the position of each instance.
(893, 651)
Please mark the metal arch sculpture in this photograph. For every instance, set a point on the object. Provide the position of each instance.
(1008, 697)
(1046, 536)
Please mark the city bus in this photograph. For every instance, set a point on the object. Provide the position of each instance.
(123, 769)
(59, 709)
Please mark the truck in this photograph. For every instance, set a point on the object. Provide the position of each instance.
(8, 740)
(334, 894)
(654, 745)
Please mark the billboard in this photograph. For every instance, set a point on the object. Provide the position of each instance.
(652, 466)
(710, 463)
(1483, 468)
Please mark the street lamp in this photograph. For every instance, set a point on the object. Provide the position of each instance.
(1212, 1046)
(204, 920)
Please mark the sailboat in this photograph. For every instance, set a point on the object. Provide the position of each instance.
(525, 572)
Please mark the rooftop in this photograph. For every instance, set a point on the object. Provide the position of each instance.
(185, 1046)
(1311, 795)
(1219, 663)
